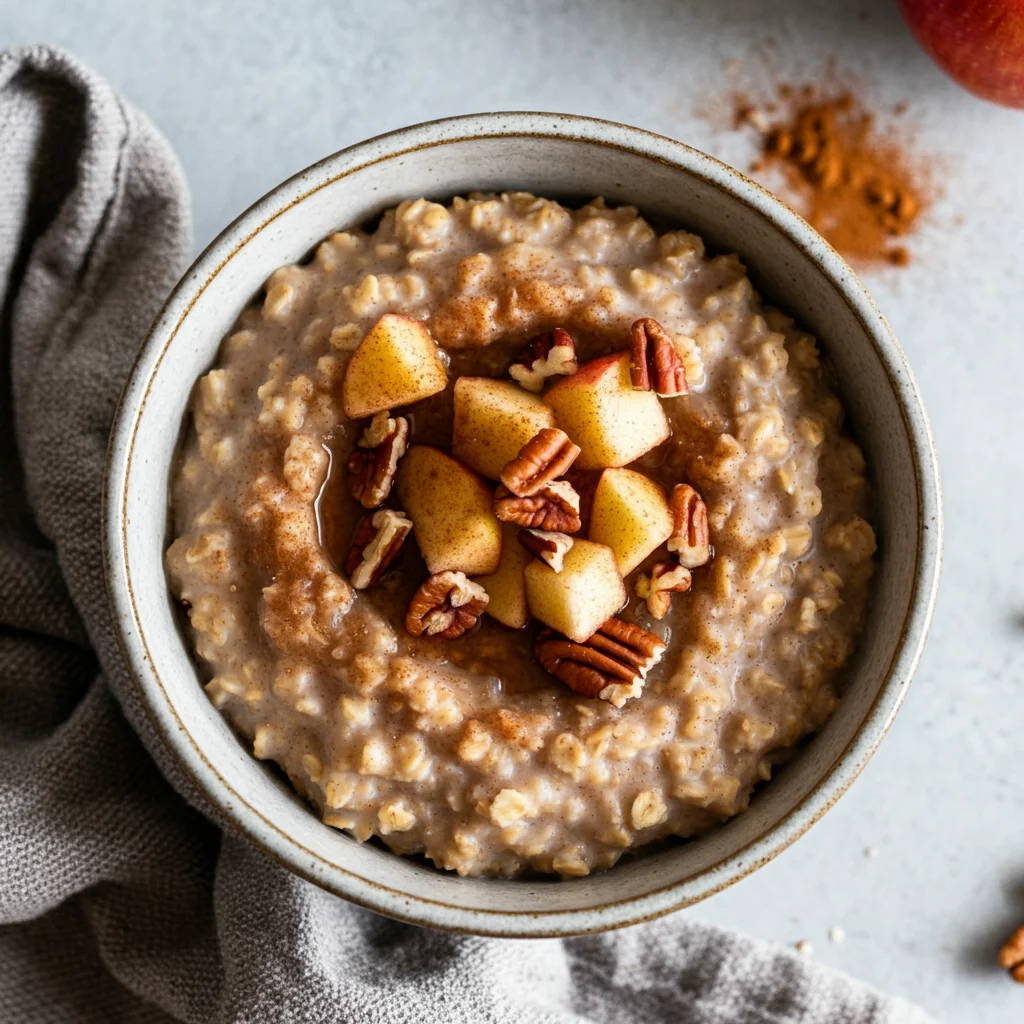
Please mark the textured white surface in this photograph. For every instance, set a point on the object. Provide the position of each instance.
(248, 95)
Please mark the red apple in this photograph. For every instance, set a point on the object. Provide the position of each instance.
(980, 43)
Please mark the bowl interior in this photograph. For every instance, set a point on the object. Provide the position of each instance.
(346, 190)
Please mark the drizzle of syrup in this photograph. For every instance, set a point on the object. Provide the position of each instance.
(321, 533)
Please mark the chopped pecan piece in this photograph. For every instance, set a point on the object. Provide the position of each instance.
(654, 364)
(378, 540)
(691, 538)
(1011, 956)
(446, 606)
(612, 664)
(371, 472)
(551, 354)
(379, 429)
(666, 579)
(556, 506)
(541, 461)
(547, 545)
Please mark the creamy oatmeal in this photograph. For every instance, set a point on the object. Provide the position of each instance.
(690, 509)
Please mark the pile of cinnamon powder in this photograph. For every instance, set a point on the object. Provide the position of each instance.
(860, 188)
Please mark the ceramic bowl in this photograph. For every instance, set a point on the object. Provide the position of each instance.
(565, 157)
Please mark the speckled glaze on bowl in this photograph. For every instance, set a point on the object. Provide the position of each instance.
(558, 156)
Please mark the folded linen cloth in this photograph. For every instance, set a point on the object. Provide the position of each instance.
(120, 898)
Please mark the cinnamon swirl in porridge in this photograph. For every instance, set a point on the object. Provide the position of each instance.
(519, 536)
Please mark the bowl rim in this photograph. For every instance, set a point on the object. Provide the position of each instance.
(233, 808)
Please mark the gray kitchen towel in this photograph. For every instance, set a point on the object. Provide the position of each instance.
(120, 898)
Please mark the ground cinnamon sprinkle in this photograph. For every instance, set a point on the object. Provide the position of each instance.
(860, 188)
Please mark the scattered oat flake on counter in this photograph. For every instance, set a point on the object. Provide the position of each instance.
(836, 935)
(858, 183)
(871, 852)
(804, 948)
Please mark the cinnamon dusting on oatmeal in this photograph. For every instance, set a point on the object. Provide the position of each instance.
(463, 749)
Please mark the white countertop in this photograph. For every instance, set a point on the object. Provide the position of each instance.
(248, 97)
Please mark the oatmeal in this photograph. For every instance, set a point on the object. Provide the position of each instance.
(519, 536)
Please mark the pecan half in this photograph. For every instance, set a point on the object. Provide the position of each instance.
(551, 354)
(612, 664)
(1011, 956)
(378, 540)
(547, 545)
(371, 472)
(691, 538)
(666, 579)
(542, 460)
(556, 506)
(445, 606)
(654, 363)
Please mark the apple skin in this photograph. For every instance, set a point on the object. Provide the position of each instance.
(978, 43)
(601, 411)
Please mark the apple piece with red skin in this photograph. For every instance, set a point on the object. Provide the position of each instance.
(978, 43)
(598, 408)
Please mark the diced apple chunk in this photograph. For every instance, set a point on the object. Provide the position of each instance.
(493, 420)
(450, 508)
(586, 593)
(631, 515)
(396, 364)
(506, 588)
(598, 408)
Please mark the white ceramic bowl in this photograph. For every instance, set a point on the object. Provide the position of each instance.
(558, 156)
